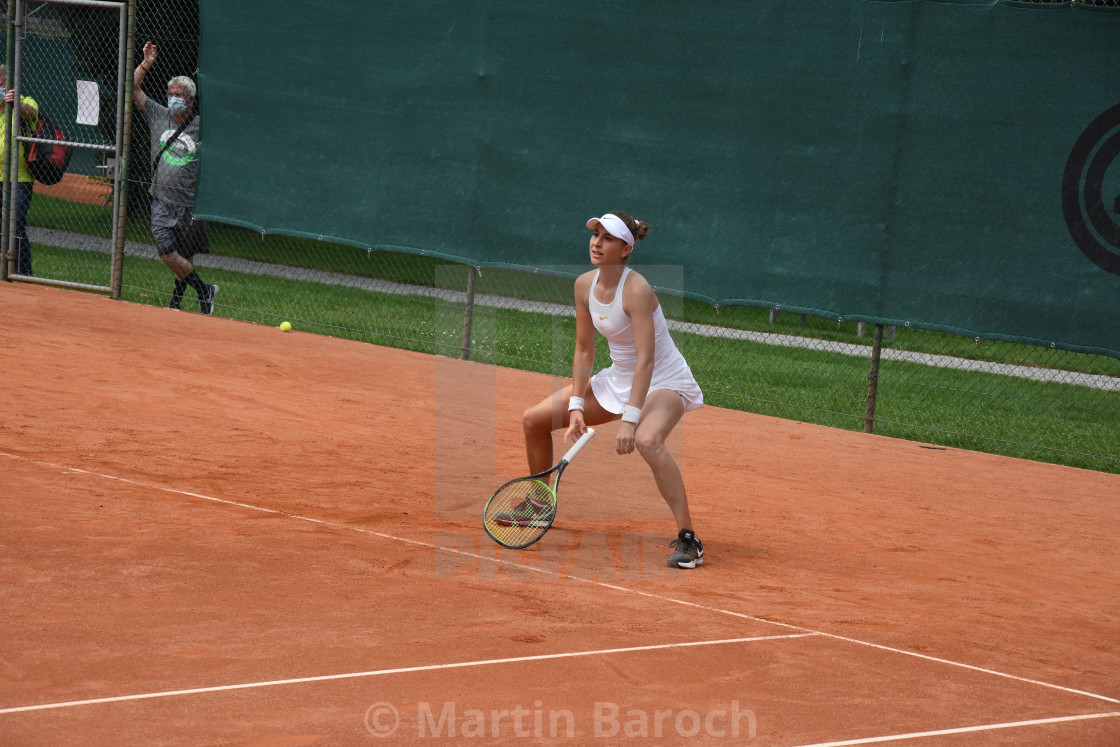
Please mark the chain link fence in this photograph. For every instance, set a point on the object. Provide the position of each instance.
(1025, 401)
(79, 106)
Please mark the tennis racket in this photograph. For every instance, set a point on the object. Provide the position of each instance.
(522, 510)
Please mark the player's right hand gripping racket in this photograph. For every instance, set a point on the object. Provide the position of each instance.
(522, 510)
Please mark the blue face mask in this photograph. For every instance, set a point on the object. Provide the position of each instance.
(176, 104)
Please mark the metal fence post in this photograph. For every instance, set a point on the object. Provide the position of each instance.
(468, 315)
(11, 249)
(124, 138)
(8, 188)
(873, 381)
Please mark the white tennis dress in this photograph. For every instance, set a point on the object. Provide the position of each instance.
(670, 370)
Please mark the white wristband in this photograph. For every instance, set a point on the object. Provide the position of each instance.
(631, 414)
(575, 403)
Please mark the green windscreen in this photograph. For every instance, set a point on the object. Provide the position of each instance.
(951, 165)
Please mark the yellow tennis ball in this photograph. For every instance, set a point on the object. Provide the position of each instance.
(286, 326)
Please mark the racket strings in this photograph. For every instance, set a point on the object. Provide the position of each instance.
(520, 512)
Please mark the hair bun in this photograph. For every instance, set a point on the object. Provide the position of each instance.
(640, 230)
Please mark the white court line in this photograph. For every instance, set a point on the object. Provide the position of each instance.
(602, 584)
(964, 730)
(400, 670)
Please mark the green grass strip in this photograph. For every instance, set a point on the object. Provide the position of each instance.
(1060, 423)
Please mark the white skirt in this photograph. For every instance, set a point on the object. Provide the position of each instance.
(612, 386)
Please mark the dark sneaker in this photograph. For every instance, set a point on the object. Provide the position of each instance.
(206, 305)
(175, 305)
(687, 551)
(529, 513)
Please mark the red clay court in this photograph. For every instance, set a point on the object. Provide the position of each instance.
(216, 533)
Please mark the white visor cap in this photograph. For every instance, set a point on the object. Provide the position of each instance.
(615, 226)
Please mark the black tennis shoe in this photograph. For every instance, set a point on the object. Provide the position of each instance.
(206, 305)
(688, 552)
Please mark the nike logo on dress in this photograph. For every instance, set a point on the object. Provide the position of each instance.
(602, 317)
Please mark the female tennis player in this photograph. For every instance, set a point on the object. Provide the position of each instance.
(649, 384)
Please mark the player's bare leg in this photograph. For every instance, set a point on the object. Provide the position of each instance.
(538, 423)
(661, 412)
(550, 414)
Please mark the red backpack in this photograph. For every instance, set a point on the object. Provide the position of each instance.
(47, 163)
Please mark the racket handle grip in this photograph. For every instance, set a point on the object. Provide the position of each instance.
(578, 445)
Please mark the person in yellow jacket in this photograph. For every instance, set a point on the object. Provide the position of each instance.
(24, 189)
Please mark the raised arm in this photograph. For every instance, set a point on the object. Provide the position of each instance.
(140, 73)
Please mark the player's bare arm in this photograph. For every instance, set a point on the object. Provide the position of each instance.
(583, 358)
(639, 302)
